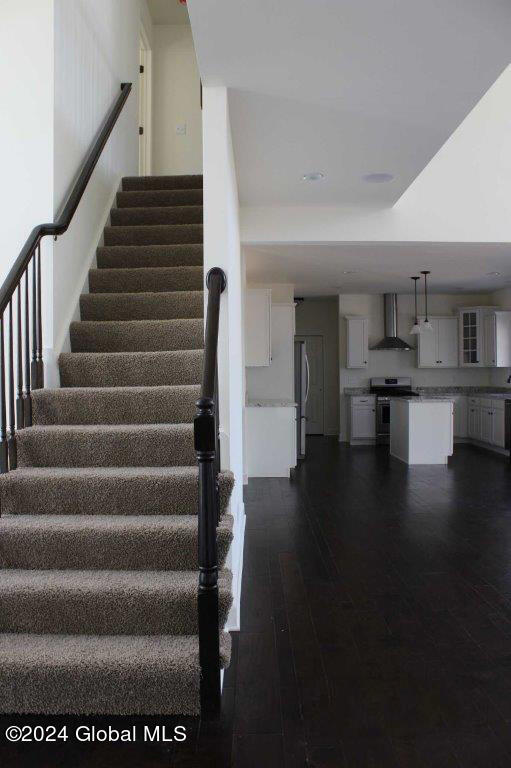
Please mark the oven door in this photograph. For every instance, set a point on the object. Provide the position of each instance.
(383, 420)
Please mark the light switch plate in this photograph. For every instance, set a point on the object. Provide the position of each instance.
(181, 129)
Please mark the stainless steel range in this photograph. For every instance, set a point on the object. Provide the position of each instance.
(384, 389)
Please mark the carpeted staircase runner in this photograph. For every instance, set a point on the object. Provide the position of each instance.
(98, 534)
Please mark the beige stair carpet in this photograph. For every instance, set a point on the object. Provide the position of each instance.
(98, 533)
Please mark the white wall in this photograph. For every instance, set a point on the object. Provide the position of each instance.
(222, 249)
(176, 101)
(389, 363)
(321, 317)
(94, 53)
(26, 131)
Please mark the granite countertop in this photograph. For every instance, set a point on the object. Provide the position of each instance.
(421, 399)
(491, 392)
(270, 404)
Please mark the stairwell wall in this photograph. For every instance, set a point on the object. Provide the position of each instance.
(96, 48)
(222, 249)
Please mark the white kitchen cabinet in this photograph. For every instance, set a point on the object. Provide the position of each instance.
(486, 424)
(363, 418)
(499, 426)
(257, 327)
(357, 342)
(460, 416)
(474, 419)
(474, 336)
(270, 439)
(439, 348)
(486, 420)
(497, 339)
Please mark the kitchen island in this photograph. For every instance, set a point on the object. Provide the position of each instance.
(421, 429)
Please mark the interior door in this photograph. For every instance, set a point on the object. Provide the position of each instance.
(315, 401)
(142, 112)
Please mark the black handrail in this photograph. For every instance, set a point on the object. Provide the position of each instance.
(207, 446)
(65, 217)
(22, 320)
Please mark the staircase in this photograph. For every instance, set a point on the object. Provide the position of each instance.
(98, 534)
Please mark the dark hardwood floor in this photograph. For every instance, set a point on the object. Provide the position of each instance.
(376, 615)
(376, 625)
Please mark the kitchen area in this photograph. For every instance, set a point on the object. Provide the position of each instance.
(422, 422)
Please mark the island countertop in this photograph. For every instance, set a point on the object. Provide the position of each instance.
(271, 403)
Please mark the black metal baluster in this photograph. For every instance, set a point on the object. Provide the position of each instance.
(20, 403)
(28, 394)
(11, 440)
(217, 445)
(40, 366)
(4, 463)
(35, 367)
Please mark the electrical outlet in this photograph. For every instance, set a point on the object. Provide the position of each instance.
(181, 129)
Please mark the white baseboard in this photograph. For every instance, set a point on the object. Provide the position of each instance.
(233, 623)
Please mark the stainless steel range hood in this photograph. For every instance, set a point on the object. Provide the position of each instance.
(391, 339)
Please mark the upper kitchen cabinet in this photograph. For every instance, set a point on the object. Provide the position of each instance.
(439, 348)
(472, 336)
(357, 342)
(497, 339)
(258, 327)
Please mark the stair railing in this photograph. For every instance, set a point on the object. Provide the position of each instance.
(21, 310)
(207, 446)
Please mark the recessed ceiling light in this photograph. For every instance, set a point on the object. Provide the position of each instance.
(378, 178)
(315, 176)
(349, 271)
(493, 274)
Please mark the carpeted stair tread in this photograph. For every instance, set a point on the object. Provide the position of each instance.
(115, 405)
(142, 256)
(162, 182)
(107, 445)
(151, 279)
(177, 214)
(130, 369)
(159, 197)
(136, 335)
(153, 234)
(106, 490)
(171, 305)
(104, 602)
(105, 542)
(99, 526)
(109, 674)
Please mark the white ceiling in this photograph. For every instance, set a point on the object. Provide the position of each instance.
(168, 12)
(345, 87)
(317, 270)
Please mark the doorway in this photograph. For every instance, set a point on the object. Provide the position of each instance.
(316, 400)
(144, 106)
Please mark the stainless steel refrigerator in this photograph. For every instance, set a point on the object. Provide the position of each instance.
(301, 394)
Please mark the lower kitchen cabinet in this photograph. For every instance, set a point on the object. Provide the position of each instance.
(486, 421)
(460, 416)
(363, 418)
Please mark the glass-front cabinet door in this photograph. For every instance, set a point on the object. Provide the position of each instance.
(470, 321)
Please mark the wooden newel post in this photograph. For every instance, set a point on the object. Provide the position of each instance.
(209, 630)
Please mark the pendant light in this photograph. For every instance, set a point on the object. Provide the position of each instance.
(415, 327)
(426, 324)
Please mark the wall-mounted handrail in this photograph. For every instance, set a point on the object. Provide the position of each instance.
(207, 446)
(20, 294)
(67, 212)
